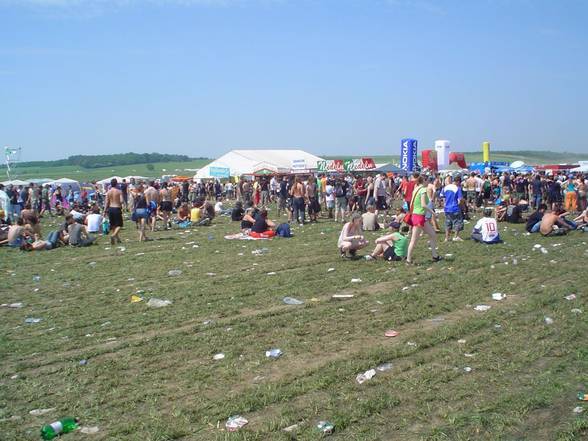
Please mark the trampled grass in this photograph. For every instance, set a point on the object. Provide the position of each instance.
(151, 374)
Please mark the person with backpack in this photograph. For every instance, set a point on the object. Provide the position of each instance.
(340, 199)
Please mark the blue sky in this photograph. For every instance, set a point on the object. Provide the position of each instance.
(332, 77)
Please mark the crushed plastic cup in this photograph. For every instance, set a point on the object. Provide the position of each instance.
(33, 320)
(274, 353)
(391, 333)
(482, 307)
(158, 303)
(174, 273)
(548, 320)
(235, 423)
(356, 280)
(498, 296)
(330, 270)
(467, 369)
(578, 409)
(326, 427)
(218, 356)
(90, 430)
(367, 375)
(384, 367)
(571, 297)
(461, 341)
(292, 301)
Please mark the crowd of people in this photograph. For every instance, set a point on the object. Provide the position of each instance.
(407, 206)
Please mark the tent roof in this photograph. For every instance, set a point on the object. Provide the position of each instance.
(15, 182)
(389, 168)
(107, 180)
(242, 162)
(64, 181)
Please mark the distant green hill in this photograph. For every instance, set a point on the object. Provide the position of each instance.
(531, 157)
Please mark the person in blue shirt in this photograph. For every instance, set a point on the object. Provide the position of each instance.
(452, 194)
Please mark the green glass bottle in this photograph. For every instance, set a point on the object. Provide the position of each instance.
(53, 430)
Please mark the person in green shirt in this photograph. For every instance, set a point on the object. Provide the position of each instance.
(393, 246)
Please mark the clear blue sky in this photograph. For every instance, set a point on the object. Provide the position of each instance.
(330, 76)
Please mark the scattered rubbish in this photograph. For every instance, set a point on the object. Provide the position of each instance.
(498, 296)
(537, 246)
(482, 307)
(411, 343)
(406, 288)
(131, 279)
(330, 270)
(92, 263)
(174, 272)
(235, 423)
(90, 430)
(271, 274)
(38, 412)
(211, 274)
(158, 303)
(53, 430)
(449, 257)
(571, 297)
(576, 311)
(461, 341)
(218, 356)
(36, 278)
(548, 320)
(259, 252)
(355, 280)
(367, 375)
(14, 377)
(291, 428)
(497, 326)
(326, 427)
(83, 362)
(543, 250)
(582, 396)
(467, 369)
(292, 301)
(140, 254)
(33, 320)
(342, 296)
(12, 305)
(207, 322)
(578, 409)
(391, 333)
(273, 353)
(136, 299)
(515, 262)
(384, 367)
(468, 355)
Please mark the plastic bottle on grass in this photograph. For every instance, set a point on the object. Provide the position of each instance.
(53, 430)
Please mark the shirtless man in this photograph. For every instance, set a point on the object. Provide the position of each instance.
(297, 192)
(165, 205)
(18, 233)
(432, 194)
(550, 219)
(470, 186)
(311, 197)
(113, 207)
(30, 217)
(152, 198)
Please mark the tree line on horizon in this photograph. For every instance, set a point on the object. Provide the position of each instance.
(98, 161)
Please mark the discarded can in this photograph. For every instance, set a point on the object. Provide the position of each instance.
(326, 427)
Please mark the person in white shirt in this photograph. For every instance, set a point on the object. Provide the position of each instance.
(94, 221)
(486, 229)
(330, 198)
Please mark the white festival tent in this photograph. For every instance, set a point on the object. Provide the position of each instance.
(107, 180)
(65, 184)
(583, 168)
(15, 182)
(244, 162)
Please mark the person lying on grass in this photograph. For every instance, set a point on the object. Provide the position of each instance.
(486, 229)
(351, 238)
(553, 225)
(393, 246)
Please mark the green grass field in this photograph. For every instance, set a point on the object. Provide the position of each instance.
(90, 174)
(151, 374)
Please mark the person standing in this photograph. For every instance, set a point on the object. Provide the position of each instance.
(124, 189)
(298, 192)
(452, 195)
(166, 205)
(419, 207)
(432, 195)
(311, 196)
(113, 207)
(152, 198)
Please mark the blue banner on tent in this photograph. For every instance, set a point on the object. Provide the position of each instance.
(219, 172)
